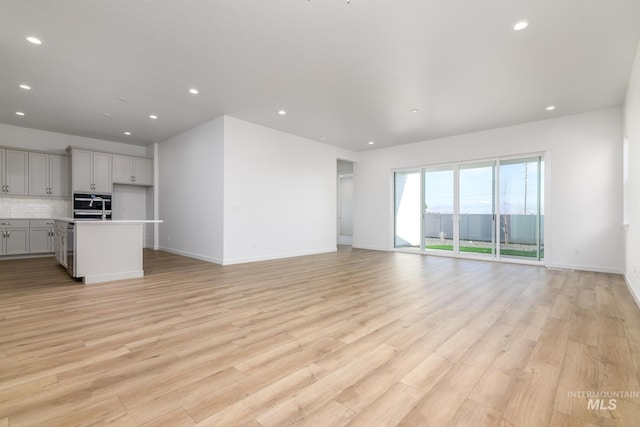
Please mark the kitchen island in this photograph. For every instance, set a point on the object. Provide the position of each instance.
(100, 251)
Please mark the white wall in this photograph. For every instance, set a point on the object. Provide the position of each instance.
(632, 196)
(279, 193)
(230, 191)
(190, 192)
(583, 209)
(34, 139)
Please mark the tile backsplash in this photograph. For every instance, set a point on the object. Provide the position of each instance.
(33, 207)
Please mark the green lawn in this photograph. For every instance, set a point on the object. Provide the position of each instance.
(507, 252)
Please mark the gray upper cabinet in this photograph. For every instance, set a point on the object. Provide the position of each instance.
(132, 170)
(14, 172)
(59, 174)
(48, 175)
(91, 171)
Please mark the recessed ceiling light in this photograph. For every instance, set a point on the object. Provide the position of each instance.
(34, 40)
(551, 107)
(371, 142)
(153, 116)
(107, 114)
(520, 25)
(322, 138)
(122, 98)
(19, 113)
(282, 112)
(193, 91)
(127, 133)
(25, 87)
(414, 110)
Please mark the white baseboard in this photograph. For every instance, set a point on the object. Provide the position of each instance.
(277, 256)
(635, 296)
(371, 248)
(192, 255)
(248, 259)
(580, 267)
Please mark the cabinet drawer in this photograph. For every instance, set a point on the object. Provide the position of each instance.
(41, 223)
(14, 223)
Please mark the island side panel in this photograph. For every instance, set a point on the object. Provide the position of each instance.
(108, 251)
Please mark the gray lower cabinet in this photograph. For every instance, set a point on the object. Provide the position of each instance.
(26, 236)
(60, 242)
(14, 234)
(41, 236)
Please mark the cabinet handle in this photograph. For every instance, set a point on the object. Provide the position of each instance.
(5, 223)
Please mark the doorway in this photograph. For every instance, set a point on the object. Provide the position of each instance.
(345, 202)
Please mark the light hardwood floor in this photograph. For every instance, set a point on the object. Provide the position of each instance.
(357, 338)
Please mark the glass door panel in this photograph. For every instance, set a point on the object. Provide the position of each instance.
(521, 208)
(438, 208)
(476, 219)
(407, 209)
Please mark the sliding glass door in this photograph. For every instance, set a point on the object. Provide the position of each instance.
(438, 208)
(407, 209)
(492, 208)
(476, 219)
(521, 208)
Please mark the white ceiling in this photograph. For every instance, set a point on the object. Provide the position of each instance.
(346, 73)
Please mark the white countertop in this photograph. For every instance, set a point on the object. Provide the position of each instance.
(110, 221)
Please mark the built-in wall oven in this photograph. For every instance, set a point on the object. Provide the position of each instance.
(91, 206)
